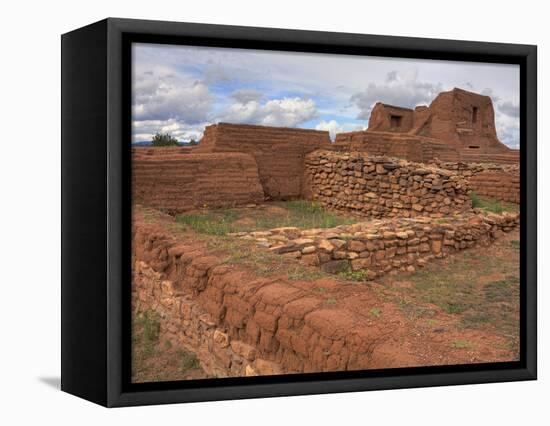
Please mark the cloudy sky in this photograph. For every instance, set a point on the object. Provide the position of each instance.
(181, 89)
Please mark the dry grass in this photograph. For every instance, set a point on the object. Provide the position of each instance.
(480, 287)
(301, 214)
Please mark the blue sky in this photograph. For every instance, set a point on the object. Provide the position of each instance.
(181, 89)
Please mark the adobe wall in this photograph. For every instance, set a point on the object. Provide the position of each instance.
(452, 119)
(411, 147)
(498, 185)
(497, 181)
(148, 151)
(179, 182)
(380, 246)
(383, 187)
(279, 152)
(380, 118)
(240, 324)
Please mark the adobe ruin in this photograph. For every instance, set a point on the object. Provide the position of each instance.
(278, 151)
(409, 176)
(457, 126)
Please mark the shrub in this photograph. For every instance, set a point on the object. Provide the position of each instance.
(165, 139)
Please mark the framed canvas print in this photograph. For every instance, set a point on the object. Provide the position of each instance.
(253, 212)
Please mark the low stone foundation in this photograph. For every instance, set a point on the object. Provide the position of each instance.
(380, 246)
(383, 187)
(238, 323)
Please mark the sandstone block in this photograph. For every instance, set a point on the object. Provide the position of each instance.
(361, 263)
(221, 338)
(242, 349)
(264, 367)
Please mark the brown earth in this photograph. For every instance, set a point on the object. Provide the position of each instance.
(403, 326)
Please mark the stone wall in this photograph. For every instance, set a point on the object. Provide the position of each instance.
(383, 187)
(238, 323)
(279, 152)
(380, 246)
(178, 182)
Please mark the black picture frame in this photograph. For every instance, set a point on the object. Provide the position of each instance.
(96, 211)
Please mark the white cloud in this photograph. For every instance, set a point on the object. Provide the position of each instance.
(400, 88)
(162, 93)
(509, 108)
(286, 112)
(145, 130)
(188, 86)
(507, 130)
(332, 126)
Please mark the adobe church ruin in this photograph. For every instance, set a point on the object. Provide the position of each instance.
(241, 163)
(457, 126)
(409, 176)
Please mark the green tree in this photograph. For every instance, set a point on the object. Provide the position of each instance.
(165, 139)
(193, 142)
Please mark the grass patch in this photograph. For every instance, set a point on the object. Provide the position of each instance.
(461, 344)
(331, 301)
(479, 287)
(474, 319)
(515, 244)
(301, 214)
(360, 275)
(145, 336)
(147, 333)
(375, 312)
(263, 262)
(450, 294)
(491, 205)
(501, 290)
(219, 222)
(188, 361)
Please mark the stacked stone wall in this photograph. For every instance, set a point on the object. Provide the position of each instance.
(380, 246)
(383, 187)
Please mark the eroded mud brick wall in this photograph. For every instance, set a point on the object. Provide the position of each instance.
(279, 152)
(410, 147)
(498, 181)
(383, 187)
(179, 182)
(239, 323)
(148, 151)
(500, 185)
